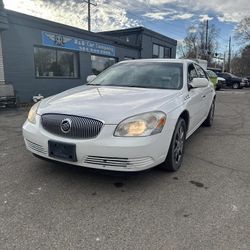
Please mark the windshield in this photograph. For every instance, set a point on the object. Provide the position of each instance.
(232, 75)
(211, 73)
(162, 75)
(228, 75)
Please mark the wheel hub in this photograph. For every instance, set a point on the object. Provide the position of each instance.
(179, 142)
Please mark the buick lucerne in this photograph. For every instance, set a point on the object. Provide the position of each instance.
(133, 116)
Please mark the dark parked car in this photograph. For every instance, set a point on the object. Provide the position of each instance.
(247, 81)
(232, 81)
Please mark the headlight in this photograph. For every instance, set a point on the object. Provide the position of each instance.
(142, 125)
(32, 113)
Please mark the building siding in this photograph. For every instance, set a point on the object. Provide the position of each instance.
(25, 32)
(18, 46)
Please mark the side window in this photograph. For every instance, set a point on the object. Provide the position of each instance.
(191, 72)
(201, 72)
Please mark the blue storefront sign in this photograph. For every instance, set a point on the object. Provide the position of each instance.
(72, 43)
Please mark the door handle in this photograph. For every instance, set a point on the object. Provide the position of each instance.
(203, 96)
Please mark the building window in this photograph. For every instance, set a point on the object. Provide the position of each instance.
(155, 50)
(167, 52)
(161, 51)
(100, 63)
(56, 63)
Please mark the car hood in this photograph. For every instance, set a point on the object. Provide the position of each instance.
(106, 103)
(221, 79)
(236, 79)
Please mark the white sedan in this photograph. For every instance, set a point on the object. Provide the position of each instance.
(133, 116)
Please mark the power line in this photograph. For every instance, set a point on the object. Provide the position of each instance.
(177, 31)
(222, 38)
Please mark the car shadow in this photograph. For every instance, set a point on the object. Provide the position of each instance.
(99, 180)
(69, 173)
(71, 176)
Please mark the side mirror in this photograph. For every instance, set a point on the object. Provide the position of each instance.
(91, 78)
(199, 83)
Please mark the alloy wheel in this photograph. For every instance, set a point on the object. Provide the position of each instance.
(179, 145)
(235, 86)
(212, 112)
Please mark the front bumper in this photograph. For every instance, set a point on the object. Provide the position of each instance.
(105, 151)
(242, 84)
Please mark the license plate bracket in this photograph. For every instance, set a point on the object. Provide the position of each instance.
(63, 151)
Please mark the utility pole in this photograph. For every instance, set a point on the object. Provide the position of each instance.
(229, 55)
(224, 62)
(206, 36)
(89, 14)
(206, 40)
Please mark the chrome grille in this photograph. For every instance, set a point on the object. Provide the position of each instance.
(118, 162)
(36, 147)
(81, 127)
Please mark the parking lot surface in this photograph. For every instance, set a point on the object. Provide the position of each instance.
(205, 205)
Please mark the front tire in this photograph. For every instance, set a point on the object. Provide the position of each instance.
(175, 154)
(210, 118)
(236, 85)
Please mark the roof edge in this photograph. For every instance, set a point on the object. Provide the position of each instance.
(140, 29)
(34, 19)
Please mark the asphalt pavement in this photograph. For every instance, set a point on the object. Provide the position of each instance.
(205, 205)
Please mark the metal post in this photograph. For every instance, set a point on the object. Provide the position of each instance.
(2, 76)
(3, 27)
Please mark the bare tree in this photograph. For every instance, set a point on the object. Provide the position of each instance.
(194, 45)
(242, 31)
(188, 48)
(240, 63)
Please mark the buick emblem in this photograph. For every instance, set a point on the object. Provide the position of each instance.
(65, 125)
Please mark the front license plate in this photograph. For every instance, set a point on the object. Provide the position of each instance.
(63, 151)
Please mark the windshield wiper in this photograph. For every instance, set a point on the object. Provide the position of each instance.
(93, 84)
(132, 86)
(136, 86)
(115, 85)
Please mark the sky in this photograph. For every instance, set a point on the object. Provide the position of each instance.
(168, 17)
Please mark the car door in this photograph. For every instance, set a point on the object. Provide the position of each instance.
(194, 99)
(227, 78)
(206, 92)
